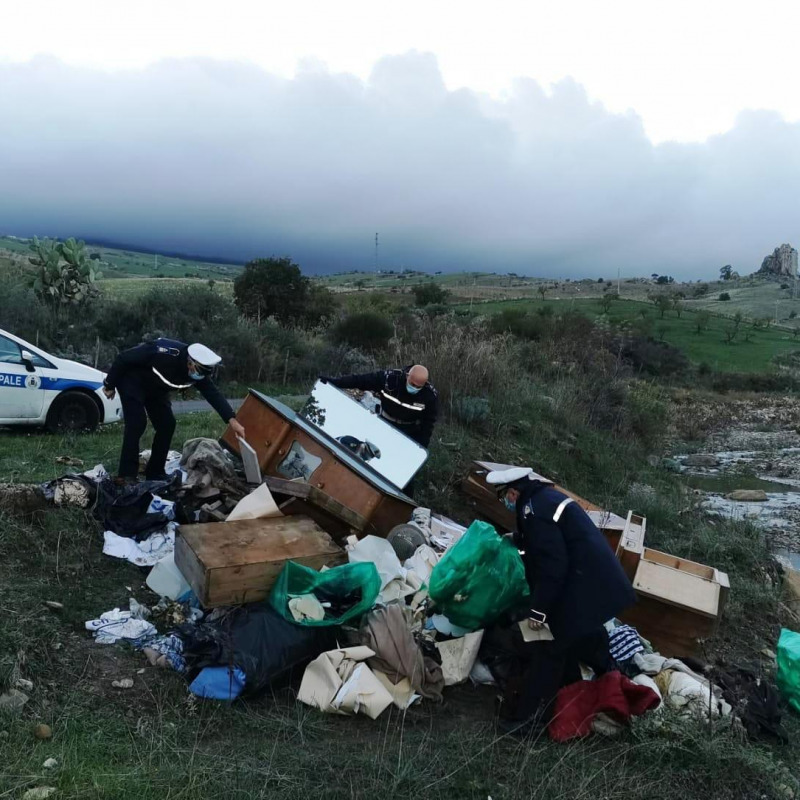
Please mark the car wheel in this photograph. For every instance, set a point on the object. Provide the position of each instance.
(73, 411)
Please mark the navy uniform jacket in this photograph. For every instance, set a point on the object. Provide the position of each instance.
(413, 414)
(574, 576)
(157, 367)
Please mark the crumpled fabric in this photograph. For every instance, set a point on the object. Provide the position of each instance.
(422, 562)
(114, 625)
(578, 704)
(396, 582)
(339, 682)
(691, 696)
(145, 553)
(206, 464)
(124, 510)
(387, 631)
(755, 699)
(165, 651)
(653, 663)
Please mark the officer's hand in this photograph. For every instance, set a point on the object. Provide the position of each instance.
(236, 427)
(109, 393)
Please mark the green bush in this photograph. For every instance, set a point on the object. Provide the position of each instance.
(724, 296)
(368, 331)
(427, 294)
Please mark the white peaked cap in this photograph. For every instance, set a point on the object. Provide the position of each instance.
(203, 355)
(500, 477)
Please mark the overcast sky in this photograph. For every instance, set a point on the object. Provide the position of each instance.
(561, 138)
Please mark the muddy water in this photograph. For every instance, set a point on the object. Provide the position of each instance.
(753, 459)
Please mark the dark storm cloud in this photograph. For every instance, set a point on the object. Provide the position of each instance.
(224, 158)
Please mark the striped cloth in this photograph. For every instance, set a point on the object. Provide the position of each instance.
(624, 643)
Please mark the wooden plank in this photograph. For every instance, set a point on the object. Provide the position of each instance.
(631, 544)
(319, 498)
(678, 588)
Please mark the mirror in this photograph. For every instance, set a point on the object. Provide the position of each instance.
(388, 451)
(27, 360)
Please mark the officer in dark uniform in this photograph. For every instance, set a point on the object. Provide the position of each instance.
(144, 376)
(576, 582)
(408, 400)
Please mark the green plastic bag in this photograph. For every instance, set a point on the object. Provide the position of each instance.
(343, 582)
(788, 677)
(478, 578)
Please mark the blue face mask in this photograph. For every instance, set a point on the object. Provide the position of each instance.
(412, 389)
(509, 504)
(196, 376)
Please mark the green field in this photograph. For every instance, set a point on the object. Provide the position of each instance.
(133, 287)
(118, 263)
(708, 347)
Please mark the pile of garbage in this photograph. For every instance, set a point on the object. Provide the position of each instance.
(431, 606)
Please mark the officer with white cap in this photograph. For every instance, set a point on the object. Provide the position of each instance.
(576, 585)
(144, 376)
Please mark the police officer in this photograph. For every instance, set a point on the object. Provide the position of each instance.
(576, 582)
(408, 400)
(144, 376)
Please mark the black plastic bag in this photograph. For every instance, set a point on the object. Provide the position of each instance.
(256, 639)
(123, 509)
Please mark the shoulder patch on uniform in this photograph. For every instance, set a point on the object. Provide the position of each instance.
(528, 510)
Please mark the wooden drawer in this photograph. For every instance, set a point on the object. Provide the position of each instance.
(227, 563)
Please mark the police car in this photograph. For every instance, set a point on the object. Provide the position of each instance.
(39, 389)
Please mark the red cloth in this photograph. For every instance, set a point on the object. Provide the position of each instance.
(579, 703)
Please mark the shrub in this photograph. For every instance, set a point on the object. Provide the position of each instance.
(655, 358)
(724, 296)
(367, 330)
(427, 294)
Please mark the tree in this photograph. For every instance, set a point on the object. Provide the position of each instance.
(543, 289)
(662, 301)
(427, 294)
(733, 327)
(606, 302)
(275, 287)
(367, 330)
(726, 272)
(662, 279)
(702, 320)
(65, 275)
(677, 306)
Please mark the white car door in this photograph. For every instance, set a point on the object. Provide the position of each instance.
(21, 397)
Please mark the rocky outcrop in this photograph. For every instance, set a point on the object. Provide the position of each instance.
(781, 263)
(748, 496)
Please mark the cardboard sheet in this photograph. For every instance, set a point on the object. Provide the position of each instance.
(257, 505)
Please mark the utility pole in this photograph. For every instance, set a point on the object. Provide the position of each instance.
(776, 311)
(618, 291)
(376, 252)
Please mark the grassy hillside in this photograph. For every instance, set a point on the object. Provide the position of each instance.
(121, 263)
(707, 347)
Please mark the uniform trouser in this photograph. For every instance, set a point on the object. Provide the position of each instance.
(552, 665)
(136, 410)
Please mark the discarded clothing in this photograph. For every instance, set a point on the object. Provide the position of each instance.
(146, 553)
(387, 632)
(219, 683)
(754, 699)
(114, 625)
(124, 509)
(690, 695)
(578, 704)
(165, 651)
(624, 643)
(207, 465)
(458, 657)
(257, 639)
(338, 682)
(646, 680)
(161, 506)
(653, 663)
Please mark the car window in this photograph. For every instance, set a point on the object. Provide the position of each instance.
(9, 352)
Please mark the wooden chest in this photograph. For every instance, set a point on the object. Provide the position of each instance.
(227, 563)
(289, 446)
